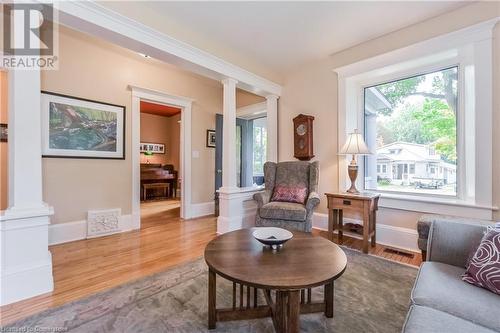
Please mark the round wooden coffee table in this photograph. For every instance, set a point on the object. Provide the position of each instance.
(289, 273)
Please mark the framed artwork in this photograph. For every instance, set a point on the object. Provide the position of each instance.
(4, 131)
(211, 138)
(157, 148)
(74, 127)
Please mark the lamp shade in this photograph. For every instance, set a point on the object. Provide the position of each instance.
(355, 145)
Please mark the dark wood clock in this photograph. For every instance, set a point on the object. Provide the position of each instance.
(303, 137)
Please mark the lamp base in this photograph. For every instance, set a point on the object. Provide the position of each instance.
(352, 170)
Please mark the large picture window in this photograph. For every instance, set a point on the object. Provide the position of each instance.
(411, 126)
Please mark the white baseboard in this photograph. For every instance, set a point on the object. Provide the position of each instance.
(396, 237)
(77, 230)
(67, 232)
(201, 209)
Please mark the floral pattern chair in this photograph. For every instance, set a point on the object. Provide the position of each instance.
(288, 215)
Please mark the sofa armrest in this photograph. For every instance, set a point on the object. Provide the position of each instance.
(262, 198)
(312, 201)
(451, 242)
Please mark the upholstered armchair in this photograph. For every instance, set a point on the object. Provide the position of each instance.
(288, 215)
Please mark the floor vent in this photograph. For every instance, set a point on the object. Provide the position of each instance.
(399, 252)
(103, 222)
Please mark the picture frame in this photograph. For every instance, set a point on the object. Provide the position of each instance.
(74, 127)
(210, 138)
(4, 133)
(156, 148)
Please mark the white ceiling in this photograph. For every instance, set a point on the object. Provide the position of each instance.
(272, 38)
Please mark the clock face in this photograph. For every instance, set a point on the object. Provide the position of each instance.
(301, 129)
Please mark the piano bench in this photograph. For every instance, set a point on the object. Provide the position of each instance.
(154, 186)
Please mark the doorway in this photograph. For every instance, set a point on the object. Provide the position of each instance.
(251, 142)
(160, 159)
(180, 185)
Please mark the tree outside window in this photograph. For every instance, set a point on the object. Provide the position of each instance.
(411, 124)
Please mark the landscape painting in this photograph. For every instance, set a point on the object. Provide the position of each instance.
(80, 128)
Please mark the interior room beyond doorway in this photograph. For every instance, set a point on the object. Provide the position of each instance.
(160, 158)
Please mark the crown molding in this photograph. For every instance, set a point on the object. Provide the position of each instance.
(440, 44)
(94, 19)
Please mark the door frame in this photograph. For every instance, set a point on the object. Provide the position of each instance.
(185, 104)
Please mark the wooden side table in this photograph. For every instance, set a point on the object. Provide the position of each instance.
(364, 204)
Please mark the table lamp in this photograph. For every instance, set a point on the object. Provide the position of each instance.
(148, 153)
(354, 145)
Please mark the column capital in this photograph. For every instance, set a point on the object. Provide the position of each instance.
(272, 96)
(228, 81)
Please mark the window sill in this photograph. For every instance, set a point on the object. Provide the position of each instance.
(435, 205)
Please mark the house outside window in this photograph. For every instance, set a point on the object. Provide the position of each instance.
(411, 124)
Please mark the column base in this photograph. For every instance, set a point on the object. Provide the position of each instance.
(26, 266)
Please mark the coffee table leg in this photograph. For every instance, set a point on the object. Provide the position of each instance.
(293, 311)
(211, 300)
(329, 300)
(279, 316)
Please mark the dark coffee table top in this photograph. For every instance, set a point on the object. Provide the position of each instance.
(304, 261)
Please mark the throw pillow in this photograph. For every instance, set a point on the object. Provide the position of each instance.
(484, 267)
(294, 194)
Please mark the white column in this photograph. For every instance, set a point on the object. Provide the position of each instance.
(25, 262)
(229, 135)
(272, 128)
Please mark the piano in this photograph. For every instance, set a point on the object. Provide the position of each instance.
(157, 173)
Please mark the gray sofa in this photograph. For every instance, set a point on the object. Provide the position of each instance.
(440, 300)
(288, 215)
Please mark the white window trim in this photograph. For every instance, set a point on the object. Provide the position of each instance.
(471, 49)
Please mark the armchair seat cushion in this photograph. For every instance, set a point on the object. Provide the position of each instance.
(283, 211)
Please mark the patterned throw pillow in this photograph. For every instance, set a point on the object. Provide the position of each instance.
(484, 268)
(294, 194)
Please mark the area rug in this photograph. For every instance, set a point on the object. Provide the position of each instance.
(371, 296)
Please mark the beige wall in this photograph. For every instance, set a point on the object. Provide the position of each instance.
(94, 69)
(244, 98)
(4, 188)
(160, 129)
(312, 89)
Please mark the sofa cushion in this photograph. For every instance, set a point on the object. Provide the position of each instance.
(283, 211)
(440, 287)
(484, 267)
(422, 319)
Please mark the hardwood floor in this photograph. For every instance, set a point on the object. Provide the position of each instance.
(86, 267)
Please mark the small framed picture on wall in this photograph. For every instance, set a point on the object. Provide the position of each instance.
(211, 138)
(157, 148)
